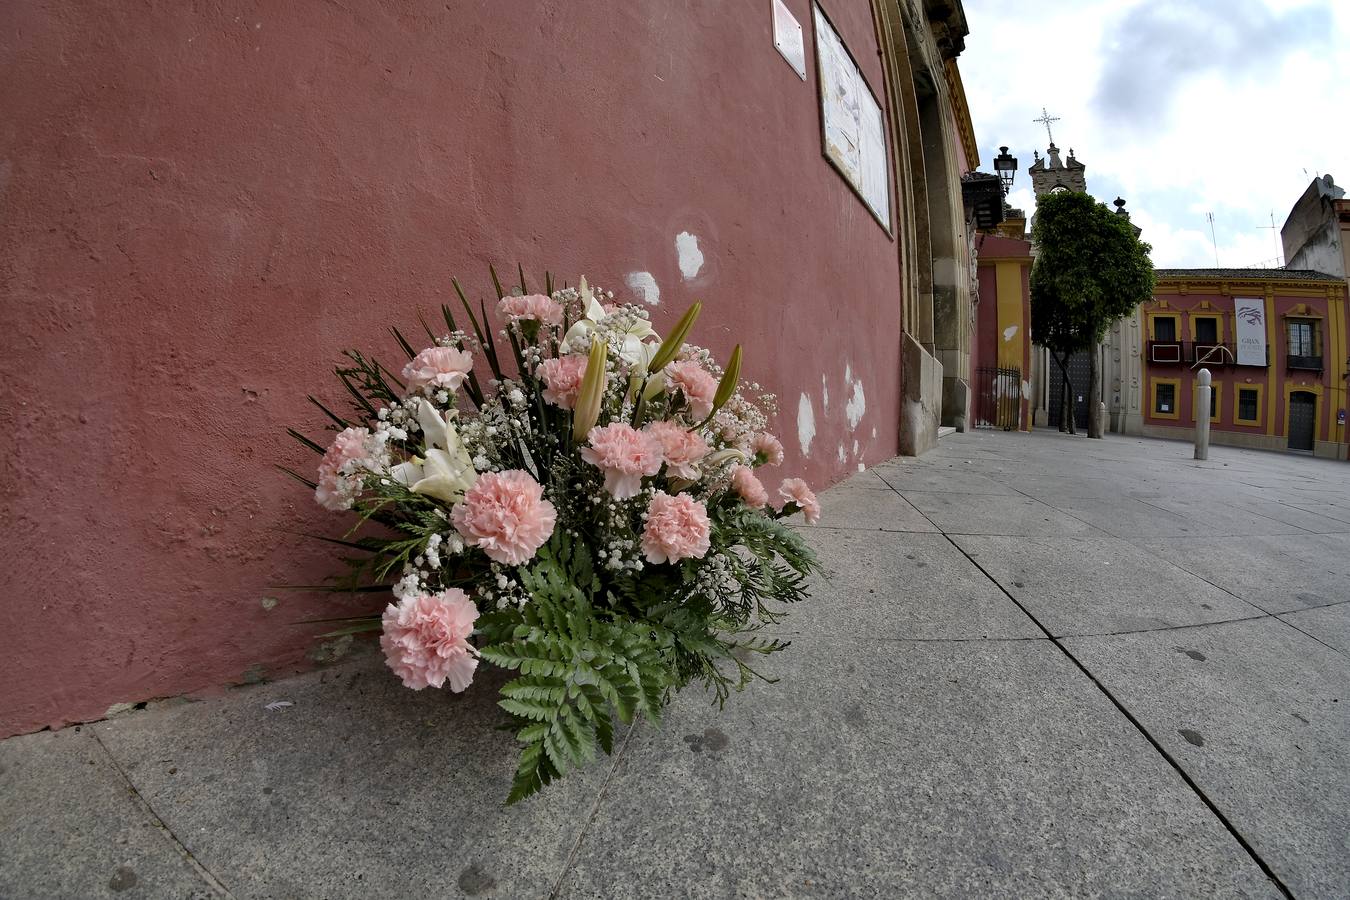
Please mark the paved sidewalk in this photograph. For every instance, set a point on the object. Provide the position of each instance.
(1039, 666)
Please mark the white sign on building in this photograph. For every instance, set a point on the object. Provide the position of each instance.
(1250, 315)
(787, 37)
(853, 124)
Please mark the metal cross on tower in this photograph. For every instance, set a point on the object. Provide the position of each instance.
(1045, 120)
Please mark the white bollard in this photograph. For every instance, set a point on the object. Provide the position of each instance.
(1202, 414)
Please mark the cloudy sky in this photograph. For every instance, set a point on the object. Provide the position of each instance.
(1182, 107)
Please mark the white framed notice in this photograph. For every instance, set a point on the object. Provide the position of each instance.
(787, 37)
(853, 129)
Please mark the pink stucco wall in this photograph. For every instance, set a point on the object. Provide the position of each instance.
(200, 205)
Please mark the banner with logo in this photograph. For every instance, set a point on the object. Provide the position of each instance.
(1251, 330)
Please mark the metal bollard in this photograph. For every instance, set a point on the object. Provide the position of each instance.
(1203, 410)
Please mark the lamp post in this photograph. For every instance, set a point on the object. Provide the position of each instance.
(1005, 164)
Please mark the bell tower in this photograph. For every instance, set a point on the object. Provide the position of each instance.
(1051, 175)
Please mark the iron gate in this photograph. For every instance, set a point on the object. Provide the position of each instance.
(998, 399)
(1080, 367)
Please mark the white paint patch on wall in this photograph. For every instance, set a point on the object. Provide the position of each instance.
(857, 405)
(806, 424)
(855, 448)
(843, 454)
(1009, 333)
(644, 286)
(824, 393)
(1026, 390)
(691, 258)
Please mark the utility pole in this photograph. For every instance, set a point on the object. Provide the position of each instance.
(1274, 236)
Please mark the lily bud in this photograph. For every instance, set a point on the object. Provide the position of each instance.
(675, 340)
(655, 385)
(591, 392)
(727, 386)
(713, 460)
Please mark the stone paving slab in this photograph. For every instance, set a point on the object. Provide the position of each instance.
(909, 478)
(1259, 715)
(863, 508)
(1221, 516)
(362, 787)
(1099, 585)
(1277, 573)
(1335, 510)
(71, 826)
(1130, 517)
(989, 770)
(918, 587)
(994, 514)
(1328, 624)
(926, 738)
(1316, 520)
(1048, 488)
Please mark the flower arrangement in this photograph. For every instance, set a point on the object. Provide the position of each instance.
(591, 516)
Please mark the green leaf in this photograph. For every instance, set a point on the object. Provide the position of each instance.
(317, 448)
(402, 342)
(362, 628)
(300, 478)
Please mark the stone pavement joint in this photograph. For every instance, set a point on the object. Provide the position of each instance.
(1162, 751)
(158, 822)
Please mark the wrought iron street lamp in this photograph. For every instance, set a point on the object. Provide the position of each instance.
(1005, 164)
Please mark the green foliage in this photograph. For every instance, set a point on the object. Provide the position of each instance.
(588, 655)
(1090, 270)
(579, 667)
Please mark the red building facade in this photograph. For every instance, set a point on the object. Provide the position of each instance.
(204, 204)
(1294, 399)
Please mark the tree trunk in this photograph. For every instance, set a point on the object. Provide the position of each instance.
(1095, 394)
(1064, 405)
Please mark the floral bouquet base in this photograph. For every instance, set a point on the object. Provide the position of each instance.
(589, 515)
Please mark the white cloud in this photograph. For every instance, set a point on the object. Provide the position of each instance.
(1178, 126)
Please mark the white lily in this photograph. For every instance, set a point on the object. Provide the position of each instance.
(446, 471)
(633, 351)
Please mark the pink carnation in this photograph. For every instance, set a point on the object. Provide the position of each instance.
(625, 455)
(744, 482)
(532, 306)
(693, 380)
(794, 490)
(339, 481)
(563, 379)
(680, 448)
(769, 447)
(505, 514)
(426, 640)
(438, 367)
(677, 528)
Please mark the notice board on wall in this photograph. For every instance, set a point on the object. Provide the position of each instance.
(853, 128)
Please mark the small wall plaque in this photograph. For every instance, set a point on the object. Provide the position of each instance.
(787, 37)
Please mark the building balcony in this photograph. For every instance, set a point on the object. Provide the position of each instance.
(1199, 353)
(1303, 363)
